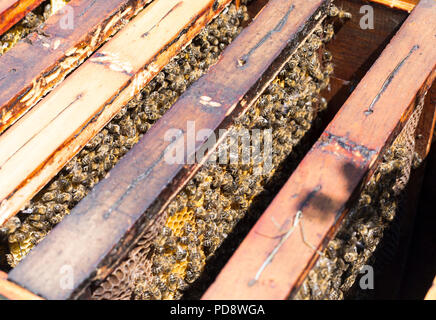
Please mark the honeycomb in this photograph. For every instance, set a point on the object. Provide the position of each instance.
(31, 22)
(205, 212)
(372, 219)
(92, 164)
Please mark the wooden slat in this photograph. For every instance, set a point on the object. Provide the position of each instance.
(426, 125)
(107, 222)
(12, 11)
(331, 172)
(407, 5)
(34, 66)
(61, 124)
(11, 291)
(431, 294)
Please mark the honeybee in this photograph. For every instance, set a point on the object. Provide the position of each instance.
(11, 225)
(64, 197)
(181, 285)
(159, 249)
(170, 244)
(187, 228)
(329, 32)
(35, 217)
(201, 226)
(79, 193)
(154, 293)
(167, 232)
(16, 237)
(156, 269)
(49, 196)
(173, 280)
(191, 276)
(180, 253)
(364, 200)
(172, 208)
(184, 240)
(162, 264)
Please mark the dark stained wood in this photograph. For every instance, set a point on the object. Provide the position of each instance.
(427, 124)
(35, 66)
(354, 49)
(352, 59)
(330, 174)
(12, 11)
(103, 227)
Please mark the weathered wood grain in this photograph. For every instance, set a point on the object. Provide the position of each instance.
(12, 11)
(272, 261)
(61, 124)
(107, 222)
(35, 66)
(11, 291)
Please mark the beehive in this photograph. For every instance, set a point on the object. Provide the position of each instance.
(32, 21)
(99, 156)
(166, 239)
(206, 211)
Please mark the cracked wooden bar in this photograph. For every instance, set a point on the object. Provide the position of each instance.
(106, 223)
(12, 11)
(330, 175)
(35, 66)
(61, 124)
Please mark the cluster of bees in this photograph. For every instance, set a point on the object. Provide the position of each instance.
(363, 228)
(205, 212)
(31, 22)
(92, 164)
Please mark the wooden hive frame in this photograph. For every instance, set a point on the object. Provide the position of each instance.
(104, 256)
(330, 174)
(128, 74)
(47, 56)
(12, 11)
